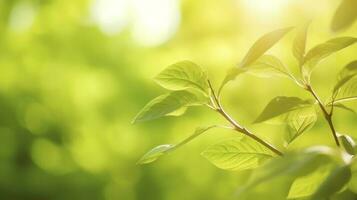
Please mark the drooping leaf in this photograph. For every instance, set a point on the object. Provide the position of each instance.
(308, 184)
(299, 44)
(262, 45)
(183, 75)
(282, 105)
(346, 74)
(267, 66)
(348, 144)
(321, 51)
(345, 15)
(160, 150)
(155, 153)
(299, 121)
(167, 104)
(333, 183)
(238, 154)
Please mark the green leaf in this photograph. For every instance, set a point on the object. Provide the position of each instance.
(167, 104)
(343, 107)
(267, 66)
(299, 121)
(345, 15)
(346, 74)
(347, 92)
(299, 44)
(238, 154)
(183, 75)
(348, 144)
(282, 105)
(333, 183)
(307, 185)
(262, 45)
(160, 150)
(178, 112)
(321, 51)
(155, 153)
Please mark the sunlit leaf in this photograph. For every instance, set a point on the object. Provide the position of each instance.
(333, 183)
(155, 153)
(160, 150)
(183, 75)
(345, 15)
(307, 185)
(299, 44)
(346, 74)
(178, 112)
(282, 105)
(321, 51)
(262, 45)
(237, 154)
(348, 92)
(167, 104)
(348, 144)
(267, 66)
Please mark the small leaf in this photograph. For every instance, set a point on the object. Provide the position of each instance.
(299, 45)
(183, 75)
(167, 104)
(268, 65)
(281, 105)
(346, 74)
(345, 15)
(333, 183)
(348, 144)
(321, 51)
(237, 154)
(155, 153)
(347, 92)
(160, 150)
(262, 45)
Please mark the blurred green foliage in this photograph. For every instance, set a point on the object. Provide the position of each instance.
(69, 90)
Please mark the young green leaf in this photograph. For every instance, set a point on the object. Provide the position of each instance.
(346, 74)
(282, 105)
(262, 45)
(238, 154)
(307, 185)
(183, 75)
(347, 92)
(345, 15)
(268, 65)
(333, 183)
(348, 144)
(321, 51)
(155, 153)
(167, 104)
(299, 44)
(299, 121)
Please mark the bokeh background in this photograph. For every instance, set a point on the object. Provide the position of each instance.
(73, 74)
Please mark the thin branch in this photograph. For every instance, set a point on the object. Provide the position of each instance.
(327, 115)
(238, 127)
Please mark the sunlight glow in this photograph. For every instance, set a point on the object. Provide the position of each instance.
(264, 7)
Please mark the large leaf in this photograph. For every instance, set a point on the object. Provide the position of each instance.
(282, 105)
(345, 15)
(280, 173)
(267, 66)
(167, 104)
(238, 154)
(262, 45)
(183, 75)
(299, 44)
(307, 185)
(333, 183)
(321, 51)
(299, 121)
(160, 150)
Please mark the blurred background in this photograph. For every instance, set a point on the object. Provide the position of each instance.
(73, 74)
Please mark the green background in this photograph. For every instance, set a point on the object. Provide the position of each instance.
(70, 85)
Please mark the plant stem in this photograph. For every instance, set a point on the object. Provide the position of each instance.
(327, 115)
(238, 127)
